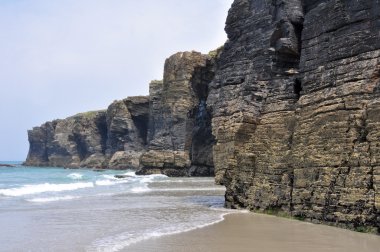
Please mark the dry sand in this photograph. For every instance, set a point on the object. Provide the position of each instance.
(245, 232)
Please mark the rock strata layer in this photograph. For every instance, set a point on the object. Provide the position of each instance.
(179, 134)
(77, 141)
(296, 102)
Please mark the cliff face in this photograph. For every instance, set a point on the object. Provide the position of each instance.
(127, 131)
(77, 141)
(179, 134)
(168, 132)
(112, 138)
(296, 102)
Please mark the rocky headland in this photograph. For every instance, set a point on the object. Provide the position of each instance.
(7, 165)
(167, 132)
(286, 114)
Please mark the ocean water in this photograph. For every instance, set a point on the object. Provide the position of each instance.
(57, 209)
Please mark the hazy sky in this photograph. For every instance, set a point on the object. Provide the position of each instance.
(61, 57)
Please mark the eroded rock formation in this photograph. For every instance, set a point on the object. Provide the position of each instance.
(77, 141)
(168, 132)
(127, 122)
(180, 140)
(296, 102)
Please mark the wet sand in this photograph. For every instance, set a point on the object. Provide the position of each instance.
(245, 232)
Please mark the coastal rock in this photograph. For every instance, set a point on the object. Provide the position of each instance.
(295, 104)
(127, 122)
(122, 160)
(168, 132)
(122, 176)
(168, 162)
(7, 165)
(179, 133)
(113, 139)
(77, 141)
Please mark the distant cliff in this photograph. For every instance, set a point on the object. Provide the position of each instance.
(167, 132)
(111, 138)
(287, 114)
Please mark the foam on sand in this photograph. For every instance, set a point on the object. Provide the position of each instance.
(52, 199)
(123, 240)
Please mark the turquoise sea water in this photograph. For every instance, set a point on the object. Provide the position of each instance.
(57, 209)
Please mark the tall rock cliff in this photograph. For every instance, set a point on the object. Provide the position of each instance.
(296, 102)
(179, 135)
(114, 138)
(168, 132)
(127, 122)
(77, 141)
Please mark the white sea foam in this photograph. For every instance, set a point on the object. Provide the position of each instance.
(106, 176)
(107, 182)
(123, 240)
(131, 174)
(140, 189)
(186, 180)
(75, 176)
(41, 188)
(190, 189)
(151, 178)
(51, 199)
(139, 183)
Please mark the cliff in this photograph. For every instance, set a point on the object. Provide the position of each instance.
(79, 140)
(179, 135)
(287, 114)
(167, 132)
(296, 102)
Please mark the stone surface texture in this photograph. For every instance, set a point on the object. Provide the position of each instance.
(296, 102)
(114, 138)
(127, 122)
(179, 134)
(77, 141)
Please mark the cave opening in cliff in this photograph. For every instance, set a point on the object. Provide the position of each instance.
(103, 131)
(202, 138)
(141, 123)
(81, 144)
(297, 87)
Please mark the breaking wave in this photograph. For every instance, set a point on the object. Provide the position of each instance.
(41, 188)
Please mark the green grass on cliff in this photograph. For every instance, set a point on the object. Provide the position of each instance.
(89, 114)
(215, 53)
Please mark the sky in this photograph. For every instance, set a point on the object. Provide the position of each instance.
(59, 58)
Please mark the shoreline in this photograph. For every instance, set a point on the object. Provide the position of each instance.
(246, 231)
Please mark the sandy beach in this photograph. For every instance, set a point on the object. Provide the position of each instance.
(248, 232)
